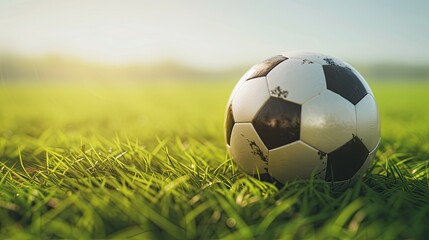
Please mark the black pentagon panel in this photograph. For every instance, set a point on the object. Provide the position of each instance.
(344, 82)
(345, 162)
(229, 124)
(278, 122)
(263, 68)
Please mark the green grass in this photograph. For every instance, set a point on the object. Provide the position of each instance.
(150, 162)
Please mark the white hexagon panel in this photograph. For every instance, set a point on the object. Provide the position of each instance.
(296, 80)
(296, 161)
(244, 107)
(368, 122)
(328, 121)
(248, 150)
(306, 57)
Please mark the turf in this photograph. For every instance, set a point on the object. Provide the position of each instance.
(150, 162)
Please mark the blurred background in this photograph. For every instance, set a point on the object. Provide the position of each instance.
(147, 69)
(145, 41)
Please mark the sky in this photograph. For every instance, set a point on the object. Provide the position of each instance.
(216, 34)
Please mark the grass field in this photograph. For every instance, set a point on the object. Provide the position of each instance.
(150, 162)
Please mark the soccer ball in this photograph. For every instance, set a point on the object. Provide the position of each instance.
(302, 115)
